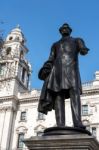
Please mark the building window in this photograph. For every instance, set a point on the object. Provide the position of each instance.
(40, 116)
(2, 69)
(17, 38)
(23, 74)
(94, 131)
(8, 51)
(23, 116)
(27, 81)
(84, 110)
(10, 38)
(21, 55)
(20, 140)
(22, 41)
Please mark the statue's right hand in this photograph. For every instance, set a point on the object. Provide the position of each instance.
(43, 74)
(45, 70)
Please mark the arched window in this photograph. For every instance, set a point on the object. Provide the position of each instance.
(39, 130)
(21, 55)
(27, 81)
(20, 140)
(21, 131)
(8, 51)
(2, 69)
(22, 41)
(23, 74)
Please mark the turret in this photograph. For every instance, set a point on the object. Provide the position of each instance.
(14, 67)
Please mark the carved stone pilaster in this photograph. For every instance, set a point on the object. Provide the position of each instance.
(8, 104)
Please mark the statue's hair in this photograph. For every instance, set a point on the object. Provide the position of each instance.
(65, 25)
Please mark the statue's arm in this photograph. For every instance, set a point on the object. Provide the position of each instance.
(52, 54)
(82, 49)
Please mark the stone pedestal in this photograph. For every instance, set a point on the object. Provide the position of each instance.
(54, 139)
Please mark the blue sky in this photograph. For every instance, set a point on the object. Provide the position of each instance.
(40, 21)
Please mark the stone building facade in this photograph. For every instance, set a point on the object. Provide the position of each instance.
(19, 118)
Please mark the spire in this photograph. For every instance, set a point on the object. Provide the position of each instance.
(18, 26)
(17, 29)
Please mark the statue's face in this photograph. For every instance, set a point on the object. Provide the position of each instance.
(65, 31)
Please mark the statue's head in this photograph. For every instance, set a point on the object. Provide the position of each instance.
(65, 29)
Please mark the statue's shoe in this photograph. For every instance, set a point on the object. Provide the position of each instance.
(80, 126)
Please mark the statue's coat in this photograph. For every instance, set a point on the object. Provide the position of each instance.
(61, 71)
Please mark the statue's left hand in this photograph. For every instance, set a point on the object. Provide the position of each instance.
(84, 51)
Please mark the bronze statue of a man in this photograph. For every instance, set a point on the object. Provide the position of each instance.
(62, 79)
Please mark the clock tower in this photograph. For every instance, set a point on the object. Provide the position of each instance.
(15, 70)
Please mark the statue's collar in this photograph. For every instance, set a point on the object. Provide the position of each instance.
(65, 38)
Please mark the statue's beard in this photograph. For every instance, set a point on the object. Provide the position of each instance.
(66, 33)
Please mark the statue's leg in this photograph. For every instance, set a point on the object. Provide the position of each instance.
(76, 107)
(60, 109)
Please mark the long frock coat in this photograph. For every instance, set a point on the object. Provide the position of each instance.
(61, 71)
